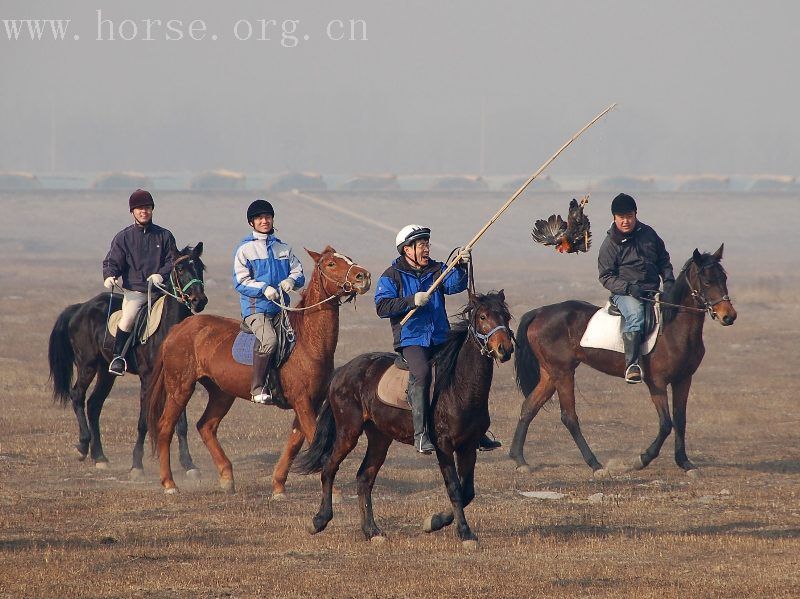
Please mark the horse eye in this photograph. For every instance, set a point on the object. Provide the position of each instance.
(483, 316)
(331, 263)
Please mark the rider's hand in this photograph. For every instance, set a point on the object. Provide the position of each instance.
(155, 279)
(635, 291)
(421, 298)
(287, 284)
(464, 256)
(270, 293)
(109, 282)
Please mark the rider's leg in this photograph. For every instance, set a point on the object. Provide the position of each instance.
(131, 302)
(419, 366)
(632, 310)
(261, 325)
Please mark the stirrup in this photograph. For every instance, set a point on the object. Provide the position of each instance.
(633, 376)
(114, 371)
(263, 399)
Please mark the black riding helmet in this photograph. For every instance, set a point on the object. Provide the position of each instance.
(257, 208)
(623, 204)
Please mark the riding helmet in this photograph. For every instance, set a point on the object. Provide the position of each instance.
(409, 234)
(140, 198)
(260, 206)
(623, 204)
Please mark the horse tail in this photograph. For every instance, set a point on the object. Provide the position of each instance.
(61, 355)
(156, 398)
(525, 362)
(312, 459)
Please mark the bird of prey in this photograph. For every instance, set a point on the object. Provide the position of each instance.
(568, 237)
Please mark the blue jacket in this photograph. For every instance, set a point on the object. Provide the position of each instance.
(263, 260)
(394, 298)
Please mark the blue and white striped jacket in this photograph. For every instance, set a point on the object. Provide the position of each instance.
(263, 260)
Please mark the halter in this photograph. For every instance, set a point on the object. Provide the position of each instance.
(699, 297)
(178, 292)
(482, 339)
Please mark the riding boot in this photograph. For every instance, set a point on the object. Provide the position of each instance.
(118, 364)
(632, 342)
(276, 389)
(419, 407)
(259, 392)
(488, 443)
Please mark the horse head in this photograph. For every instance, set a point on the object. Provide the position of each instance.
(186, 279)
(488, 317)
(708, 284)
(340, 276)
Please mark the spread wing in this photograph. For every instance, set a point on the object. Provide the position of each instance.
(549, 231)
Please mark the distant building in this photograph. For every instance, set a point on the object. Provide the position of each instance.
(706, 183)
(774, 183)
(124, 180)
(218, 180)
(460, 183)
(539, 184)
(19, 181)
(371, 183)
(627, 184)
(300, 181)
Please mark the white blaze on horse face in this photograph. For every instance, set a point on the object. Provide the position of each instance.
(345, 258)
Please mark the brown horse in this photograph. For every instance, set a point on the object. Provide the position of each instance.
(199, 350)
(549, 352)
(460, 416)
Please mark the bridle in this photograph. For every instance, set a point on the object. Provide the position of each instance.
(698, 295)
(345, 286)
(482, 339)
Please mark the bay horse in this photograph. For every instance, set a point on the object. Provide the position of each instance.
(549, 352)
(459, 414)
(199, 351)
(80, 338)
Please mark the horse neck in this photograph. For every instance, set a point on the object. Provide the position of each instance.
(174, 311)
(687, 325)
(474, 373)
(317, 328)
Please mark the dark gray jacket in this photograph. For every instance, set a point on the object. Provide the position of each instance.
(138, 252)
(639, 257)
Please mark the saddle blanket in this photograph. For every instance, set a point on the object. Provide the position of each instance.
(242, 350)
(146, 331)
(604, 331)
(393, 388)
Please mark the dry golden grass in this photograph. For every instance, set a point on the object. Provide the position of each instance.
(70, 530)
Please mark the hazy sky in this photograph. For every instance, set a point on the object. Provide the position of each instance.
(702, 87)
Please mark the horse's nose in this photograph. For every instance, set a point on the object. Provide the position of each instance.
(728, 320)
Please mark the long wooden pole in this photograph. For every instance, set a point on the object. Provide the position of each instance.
(505, 206)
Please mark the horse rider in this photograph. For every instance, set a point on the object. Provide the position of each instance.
(631, 260)
(265, 270)
(402, 288)
(141, 254)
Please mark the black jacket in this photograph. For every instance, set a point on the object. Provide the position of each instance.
(639, 257)
(138, 252)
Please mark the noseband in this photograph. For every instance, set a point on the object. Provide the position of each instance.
(482, 339)
(178, 292)
(346, 286)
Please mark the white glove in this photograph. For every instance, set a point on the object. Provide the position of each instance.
(464, 256)
(421, 298)
(287, 284)
(270, 293)
(155, 279)
(109, 282)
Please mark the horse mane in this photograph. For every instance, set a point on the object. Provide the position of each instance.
(447, 357)
(187, 250)
(681, 287)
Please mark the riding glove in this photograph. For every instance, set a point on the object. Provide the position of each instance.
(464, 256)
(155, 279)
(420, 298)
(109, 282)
(270, 293)
(287, 284)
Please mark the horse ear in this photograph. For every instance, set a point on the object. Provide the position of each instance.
(328, 250)
(198, 249)
(314, 255)
(697, 256)
(718, 254)
(501, 294)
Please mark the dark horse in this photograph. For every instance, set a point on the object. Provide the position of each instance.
(460, 416)
(80, 337)
(549, 352)
(199, 351)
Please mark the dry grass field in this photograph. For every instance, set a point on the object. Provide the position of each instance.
(68, 529)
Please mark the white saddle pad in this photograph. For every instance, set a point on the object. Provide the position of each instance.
(604, 331)
(155, 320)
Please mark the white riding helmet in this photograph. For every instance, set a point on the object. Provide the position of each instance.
(409, 234)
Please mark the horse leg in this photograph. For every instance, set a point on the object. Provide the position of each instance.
(377, 447)
(530, 407)
(347, 434)
(175, 403)
(77, 396)
(658, 393)
(456, 494)
(281, 471)
(182, 429)
(465, 463)
(569, 417)
(218, 405)
(137, 467)
(94, 405)
(680, 395)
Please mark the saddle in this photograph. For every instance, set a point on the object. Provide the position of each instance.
(245, 342)
(393, 386)
(142, 326)
(604, 330)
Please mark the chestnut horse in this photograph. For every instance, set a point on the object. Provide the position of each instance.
(549, 352)
(459, 413)
(80, 337)
(199, 350)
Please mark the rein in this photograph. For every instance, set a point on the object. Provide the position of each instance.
(346, 287)
(697, 295)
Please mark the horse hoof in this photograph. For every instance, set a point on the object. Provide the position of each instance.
(101, 465)
(378, 540)
(427, 526)
(524, 469)
(136, 474)
(227, 485)
(171, 491)
(194, 474)
(336, 498)
(279, 496)
(470, 545)
(693, 473)
(637, 463)
(81, 454)
(601, 473)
